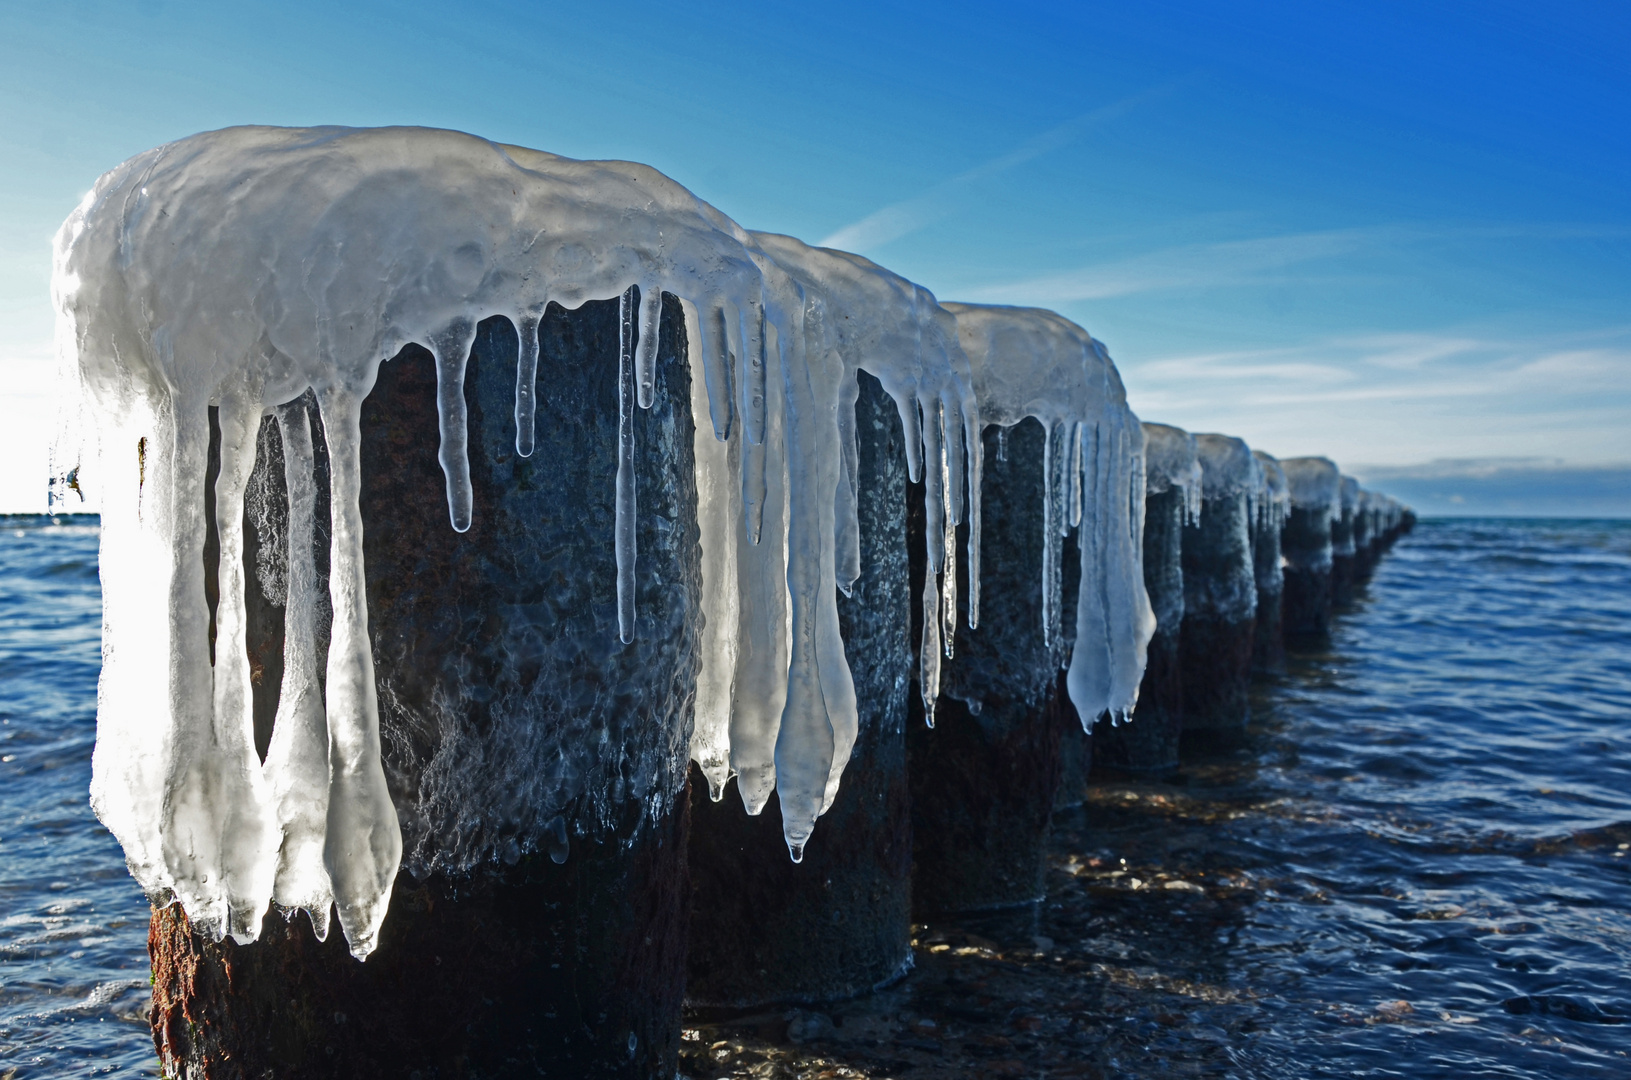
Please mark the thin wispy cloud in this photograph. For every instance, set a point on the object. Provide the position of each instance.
(950, 196)
(1232, 262)
(1255, 261)
(1417, 394)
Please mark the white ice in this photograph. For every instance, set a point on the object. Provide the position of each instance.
(241, 268)
(1170, 462)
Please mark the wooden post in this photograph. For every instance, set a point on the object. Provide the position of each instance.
(536, 764)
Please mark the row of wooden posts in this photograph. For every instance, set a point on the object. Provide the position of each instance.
(574, 955)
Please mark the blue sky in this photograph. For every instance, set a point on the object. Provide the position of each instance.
(1395, 233)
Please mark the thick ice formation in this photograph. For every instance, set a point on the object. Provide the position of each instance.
(1028, 362)
(1272, 504)
(1170, 462)
(1315, 485)
(239, 268)
(1342, 539)
(1228, 467)
(244, 268)
(1363, 519)
(1229, 473)
(856, 316)
(1272, 499)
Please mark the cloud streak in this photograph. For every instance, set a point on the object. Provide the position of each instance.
(946, 198)
(1369, 397)
(1252, 261)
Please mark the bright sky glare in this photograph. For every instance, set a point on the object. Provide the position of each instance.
(1389, 232)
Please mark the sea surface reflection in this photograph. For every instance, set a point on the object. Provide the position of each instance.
(1419, 865)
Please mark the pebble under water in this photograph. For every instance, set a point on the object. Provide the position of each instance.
(1419, 865)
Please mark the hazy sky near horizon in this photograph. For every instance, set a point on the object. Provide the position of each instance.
(1387, 232)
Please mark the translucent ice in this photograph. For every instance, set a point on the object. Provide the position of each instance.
(1342, 515)
(1028, 362)
(269, 271)
(1170, 462)
(237, 269)
(1231, 479)
(1272, 499)
(1315, 484)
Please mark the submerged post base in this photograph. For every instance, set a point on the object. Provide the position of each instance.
(1216, 657)
(1147, 745)
(1306, 607)
(982, 802)
(763, 928)
(535, 970)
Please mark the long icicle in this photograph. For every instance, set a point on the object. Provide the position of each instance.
(190, 825)
(363, 846)
(975, 442)
(246, 877)
(948, 575)
(297, 760)
(623, 532)
(526, 384)
(451, 347)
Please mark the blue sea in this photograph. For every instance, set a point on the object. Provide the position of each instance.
(1434, 816)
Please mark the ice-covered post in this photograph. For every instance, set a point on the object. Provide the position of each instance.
(838, 923)
(1220, 592)
(1060, 449)
(1272, 504)
(452, 597)
(983, 777)
(550, 877)
(1366, 542)
(1148, 743)
(1306, 547)
(835, 921)
(1344, 555)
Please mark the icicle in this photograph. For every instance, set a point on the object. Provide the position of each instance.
(1075, 475)
(718, 515)
(913, 430)
(363, 845)
(526, 383)
(645, 357)
(948, 577)
(751, 369)
(1002, 445)
(934, 476)
(240, 800)
(953, 429)
(820, 720)
(759, 683)
(135, 741)
(753, 490)
(976, 477)
(1051, 520)
(205, 780)
(929, 651)
(846, 503)
(451, 347)
(623, 533)
(712, 345)
(297, 766)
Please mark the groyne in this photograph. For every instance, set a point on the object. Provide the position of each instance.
(533, 599)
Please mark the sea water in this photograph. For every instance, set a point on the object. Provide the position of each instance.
(1431, 819)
